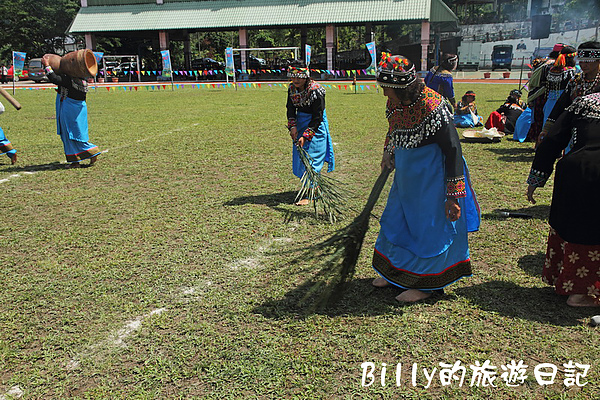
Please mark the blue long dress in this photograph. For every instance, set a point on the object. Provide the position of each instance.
(418, 247)
(306, 111)
(441, 81)
(5, 146)
(71, 118)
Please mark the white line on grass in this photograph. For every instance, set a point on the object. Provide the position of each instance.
(116, 339)
(255, 261)
(18, 175)
(15, 392)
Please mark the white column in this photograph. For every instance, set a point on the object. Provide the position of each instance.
(90, 41)
(425, 30)
(163, 40)
(330, 43)
(83, 3)
(243, 34)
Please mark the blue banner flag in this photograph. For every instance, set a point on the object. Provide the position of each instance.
(166, 59)
(372, 69)
(98, 56)
(18, 63)
(229, 68)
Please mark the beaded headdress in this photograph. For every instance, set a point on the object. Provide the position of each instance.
(561, 59)
(298, 72)
(588, 55)
(395, 71)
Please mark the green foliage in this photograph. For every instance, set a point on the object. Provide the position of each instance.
(34, 26)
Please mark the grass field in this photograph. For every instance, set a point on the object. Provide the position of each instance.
(166, 270)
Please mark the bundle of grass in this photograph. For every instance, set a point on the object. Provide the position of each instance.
(324, 193)
(340, 253)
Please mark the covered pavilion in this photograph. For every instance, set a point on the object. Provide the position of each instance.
(176, 19)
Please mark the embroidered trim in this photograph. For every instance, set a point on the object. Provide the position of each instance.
(537, 178)
(5, 148)
(308, 134)
(558, 80)
(586, 106)
(588, 55)
(578, 86)
(307, 96)
(442, 73)
(410, 125)
(456, 187)
(387, 147)
(393, 72)
(291, 123)
(407, 279)
(298, 72)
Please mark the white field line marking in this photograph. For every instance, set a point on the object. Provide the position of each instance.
(15, 392)
(255, 261)
(18, 175)
(185, 295)
(115, 339)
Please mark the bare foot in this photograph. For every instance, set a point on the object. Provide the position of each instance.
(412, 295)
(303, 202)
(73, 165)
(13, 159)
(380, 282)
(93, 160)
(582, 300)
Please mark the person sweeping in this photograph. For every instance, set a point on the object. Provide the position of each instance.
(307, 124)
(422, 246)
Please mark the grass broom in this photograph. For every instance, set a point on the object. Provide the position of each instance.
(322, 191)
(341, 251)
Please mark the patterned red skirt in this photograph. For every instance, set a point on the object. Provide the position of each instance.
(572, 268)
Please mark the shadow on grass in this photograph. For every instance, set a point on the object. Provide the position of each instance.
(514, 154)
(275, 200)
(532, 264)
(36, 168)
(360, 298)
(533, 304)
(538, 212)
(269, 200)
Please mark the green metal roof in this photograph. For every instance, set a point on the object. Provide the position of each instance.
(232, 14)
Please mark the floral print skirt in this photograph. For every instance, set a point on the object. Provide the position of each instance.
(572, 268)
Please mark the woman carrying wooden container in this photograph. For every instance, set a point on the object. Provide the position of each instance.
(69, 75)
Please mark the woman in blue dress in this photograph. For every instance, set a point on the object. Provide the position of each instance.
(422, 245)
(440, 78)
(72, 116)
(5, 146)
(307, 122)
(556, 80)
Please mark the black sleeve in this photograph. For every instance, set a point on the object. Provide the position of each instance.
(316, 110)
(447, 139)
(291, 110)
(553, 144)
(56, 79)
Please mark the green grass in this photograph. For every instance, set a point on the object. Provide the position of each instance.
(190, 213)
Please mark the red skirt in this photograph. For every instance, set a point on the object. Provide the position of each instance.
(572, 268)
(495, 121)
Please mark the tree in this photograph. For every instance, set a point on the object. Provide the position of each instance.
(34, 26)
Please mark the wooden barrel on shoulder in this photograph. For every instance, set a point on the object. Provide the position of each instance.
(80, 63)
